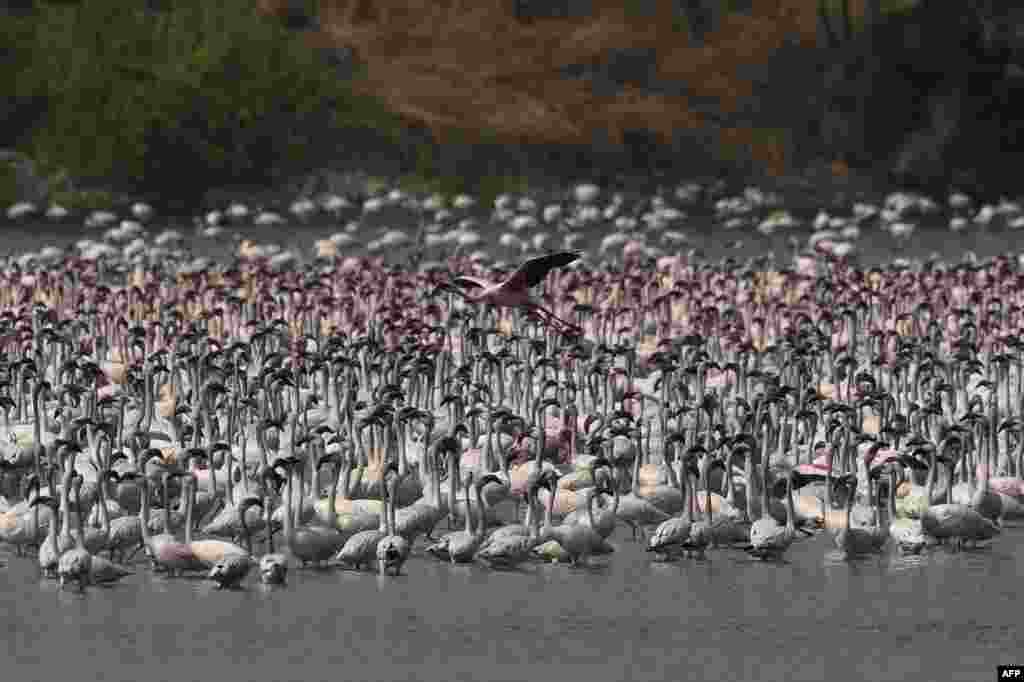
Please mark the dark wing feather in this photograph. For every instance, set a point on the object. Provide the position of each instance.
(532, 272)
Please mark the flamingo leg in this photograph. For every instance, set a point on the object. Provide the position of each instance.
(551, 317)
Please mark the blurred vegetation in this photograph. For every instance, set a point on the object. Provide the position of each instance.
(173, 102)
(8, 184)
(207, 94)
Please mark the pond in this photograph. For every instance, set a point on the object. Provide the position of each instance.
(939, 616)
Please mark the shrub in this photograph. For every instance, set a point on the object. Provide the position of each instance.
(209, 93)
(8, 184)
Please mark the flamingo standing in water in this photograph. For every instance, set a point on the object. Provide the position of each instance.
(75, 563)
(669, 536)
(770, 539)
(851, 541)
(959, 522)
(514, 292)
(392, 549)
(273, 566)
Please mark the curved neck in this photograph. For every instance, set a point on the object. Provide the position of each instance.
(246, 533)
(670, 472)
(616, 497)
(790, 510)
(849, 503)
(591, 501)
(691, 498)
(268, 514)
(453, 477)
(705, 470)
(949, 484)
(435, 480)
(765, 463)
(332, 501)
(385, 504)
(104, 512)
(891, 502)
(51, 532)
(469, 507)
(481, 525)
(79, 531)
(144, 510)
(346, 479)
(188, 491)
(389, 508)
(549, 511)
(933, 473)
(637, 461)
(828, 488)
(531, 518)
(297, 491)
(289, 521)
(65, 502)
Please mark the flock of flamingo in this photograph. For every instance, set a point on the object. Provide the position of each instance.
(266, 414)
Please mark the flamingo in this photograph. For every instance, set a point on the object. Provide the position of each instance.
(343, 505)
(273, 568)
(854, 541)
(123, 533)
(164, 550)
(49, 550)
(209, 551)
(908, 534)
(228, 521)
(23, 526)
(514, 291)
(232, 569)
(699, 538)
(606, 517)
(917, 498)
(311, 543)
(669, 537)
(636, 511)
(578, 540)
(769, 539)
(75, 563)
(666, 497)
(392, 549)
(959, 522)
(511, 545)
(461, 546)
(422, 516)
(361, 549)
(727, 526)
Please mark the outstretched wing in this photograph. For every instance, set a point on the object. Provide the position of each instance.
(532, 272)
(470, 283)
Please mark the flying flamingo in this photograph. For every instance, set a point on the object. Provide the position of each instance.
(514, 292)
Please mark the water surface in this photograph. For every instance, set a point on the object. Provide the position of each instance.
(942, 616)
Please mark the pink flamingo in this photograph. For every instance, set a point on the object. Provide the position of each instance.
(514, 292)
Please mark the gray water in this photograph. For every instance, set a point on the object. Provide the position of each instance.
(941, 616)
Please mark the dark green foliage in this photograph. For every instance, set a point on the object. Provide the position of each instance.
(8, 184)
(173, 102)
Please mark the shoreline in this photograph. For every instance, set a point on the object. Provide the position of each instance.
(541, 172)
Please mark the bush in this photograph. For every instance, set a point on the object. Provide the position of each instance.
(8, 184)
(209, 93)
